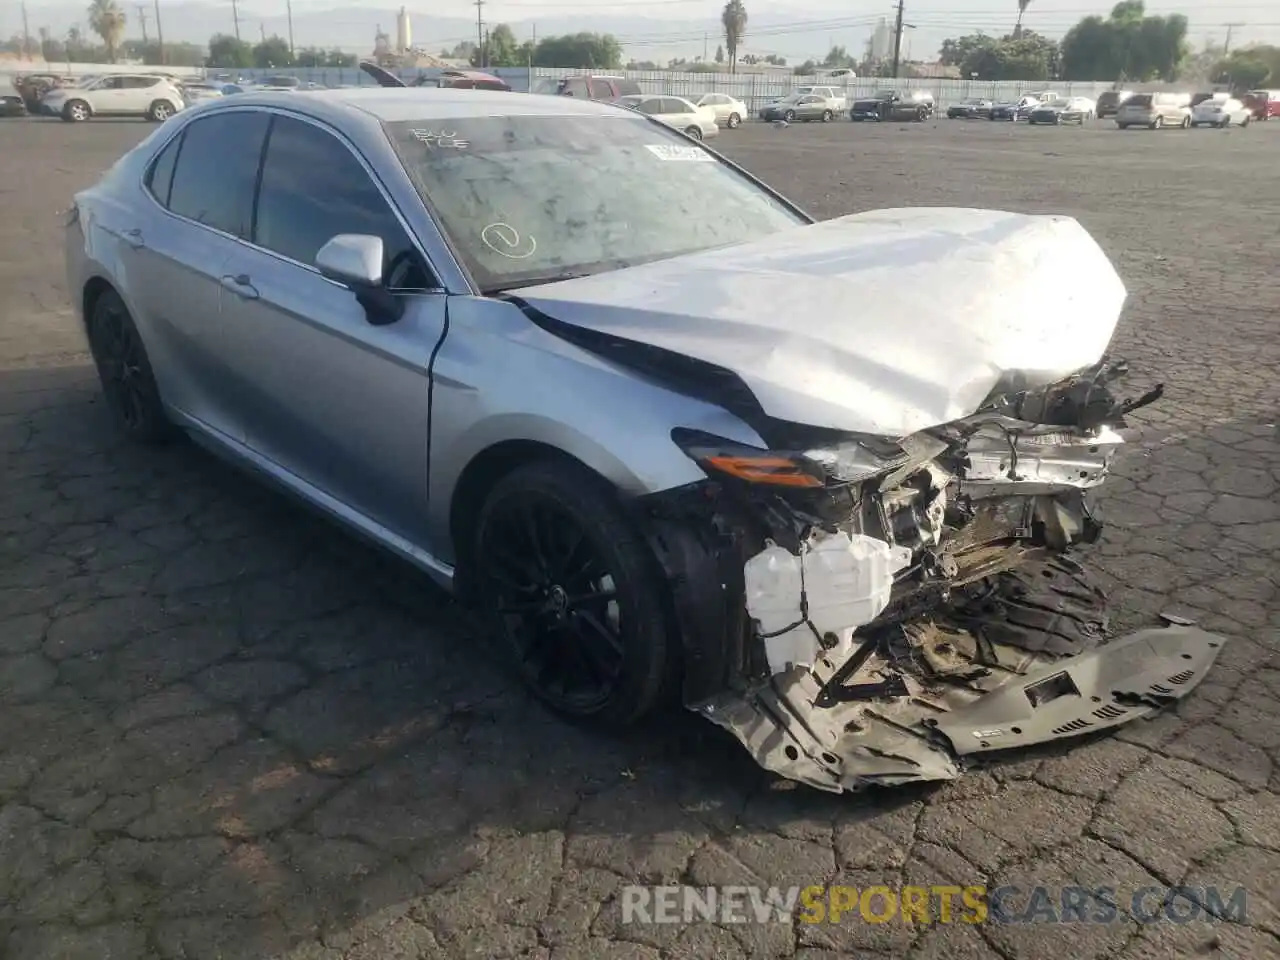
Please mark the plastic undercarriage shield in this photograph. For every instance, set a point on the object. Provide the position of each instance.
(924, 735)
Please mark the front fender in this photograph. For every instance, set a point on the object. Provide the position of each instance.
(499, 378)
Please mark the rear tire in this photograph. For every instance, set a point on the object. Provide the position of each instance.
(826, 116)
(734, 121)
(589, 632)
(694, 132)
(124, 370)
(76, 111)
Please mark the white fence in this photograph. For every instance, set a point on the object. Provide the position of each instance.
(754, 89)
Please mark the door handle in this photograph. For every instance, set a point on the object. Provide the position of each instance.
(134, 238)
(241, 285)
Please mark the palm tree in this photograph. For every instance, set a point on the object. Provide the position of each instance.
(1017, 25)
(106, 19)
(734, 18)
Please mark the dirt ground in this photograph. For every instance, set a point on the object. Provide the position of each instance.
(229, 730)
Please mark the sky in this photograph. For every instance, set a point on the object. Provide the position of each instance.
(661, 29)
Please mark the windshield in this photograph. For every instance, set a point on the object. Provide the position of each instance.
(1139, 100)
(974, 100)
(529, 199)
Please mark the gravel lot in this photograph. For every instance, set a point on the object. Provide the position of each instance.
(228, 730)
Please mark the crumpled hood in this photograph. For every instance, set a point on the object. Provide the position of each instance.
(886, 322)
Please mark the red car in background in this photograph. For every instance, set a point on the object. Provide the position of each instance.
(1263, 104)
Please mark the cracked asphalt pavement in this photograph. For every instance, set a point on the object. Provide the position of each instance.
(228, 729)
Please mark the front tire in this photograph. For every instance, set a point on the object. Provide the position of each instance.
(734, 121)
(694, 132)
(160, 111)
(826, 116)
(124, 370)
(789, 116)
(580, 602)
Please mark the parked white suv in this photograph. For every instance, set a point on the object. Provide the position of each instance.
(116, 95)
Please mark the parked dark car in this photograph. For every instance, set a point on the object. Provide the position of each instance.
(32, 88)
(970, 108)
(913, 105)
(1074, 110)
(11, 105)
(1015, 110)
(1109, 102)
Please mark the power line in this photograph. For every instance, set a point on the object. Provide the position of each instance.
(159, 33)
(1226, 47)
(897, 40)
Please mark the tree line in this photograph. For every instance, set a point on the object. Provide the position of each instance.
(1128, 45)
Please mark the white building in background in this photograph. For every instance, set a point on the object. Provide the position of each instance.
(881, 46)
(404, 37)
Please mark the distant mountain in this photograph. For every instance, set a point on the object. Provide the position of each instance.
(352, 28)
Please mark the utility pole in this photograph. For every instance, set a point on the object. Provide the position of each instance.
(289, 9)
(1226, 47)
(142, 19)
(235, 17)
(26, 35)
(159, 33)
(704, 48)
(262, 30)
(897, 41)
(479, 32)
(533, 46)
(487, 46)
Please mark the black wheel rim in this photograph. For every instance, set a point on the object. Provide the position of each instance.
(119, 355)
(557, 600)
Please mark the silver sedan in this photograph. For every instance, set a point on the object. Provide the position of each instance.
(674, 436)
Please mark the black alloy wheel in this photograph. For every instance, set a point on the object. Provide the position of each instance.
(124, 370)
(578, 598)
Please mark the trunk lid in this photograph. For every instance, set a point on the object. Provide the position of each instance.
(887, 322)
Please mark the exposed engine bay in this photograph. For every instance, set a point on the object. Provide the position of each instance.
(858, 611)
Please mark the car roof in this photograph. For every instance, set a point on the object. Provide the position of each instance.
(395, 104)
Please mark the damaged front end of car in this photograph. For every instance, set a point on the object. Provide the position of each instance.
(859, 611)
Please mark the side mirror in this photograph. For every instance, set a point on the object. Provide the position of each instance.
(355, 261)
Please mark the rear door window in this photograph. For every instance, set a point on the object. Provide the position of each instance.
(217, 167)
(575, 87)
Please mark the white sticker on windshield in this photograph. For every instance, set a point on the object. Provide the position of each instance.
(440, 138)
(667, 151)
